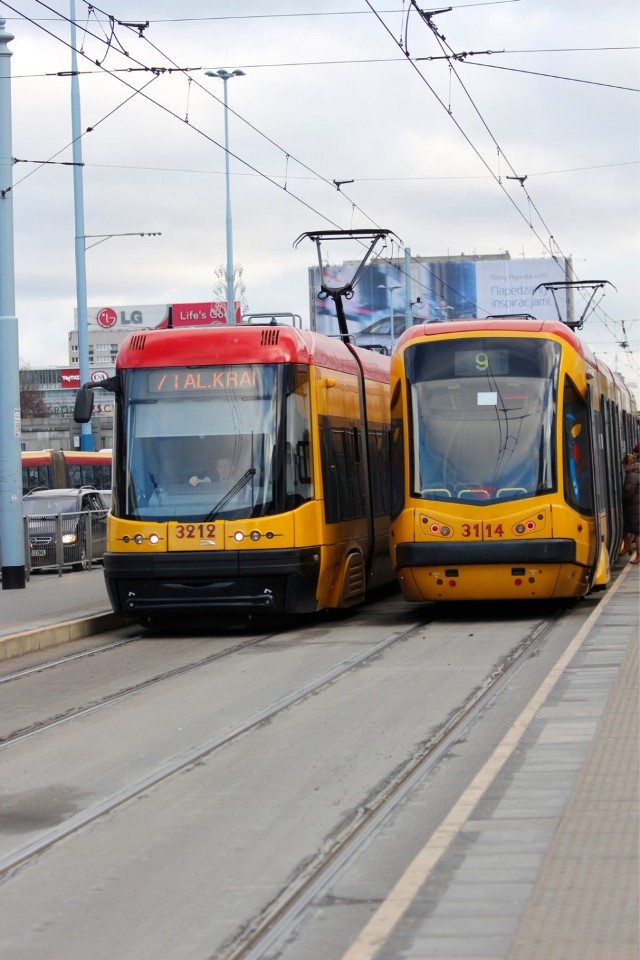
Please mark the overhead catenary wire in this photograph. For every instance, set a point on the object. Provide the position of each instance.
(254, 171)
(306, 13)
(176, 116)
(376, 60)
(552, 246)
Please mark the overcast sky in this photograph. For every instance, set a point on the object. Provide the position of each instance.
(434, 146)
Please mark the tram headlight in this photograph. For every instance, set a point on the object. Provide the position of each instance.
(520, 528)
(254, 535)
(238, 536)
(138, 539)
(154, 538)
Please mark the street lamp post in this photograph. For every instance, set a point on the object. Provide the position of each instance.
(395, 286)
(390, 290)
(225, 76)
(86, 435)
(11, 528)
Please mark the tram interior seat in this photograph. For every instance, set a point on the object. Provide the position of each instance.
(435, 492)
(510, 491)
(478, 492)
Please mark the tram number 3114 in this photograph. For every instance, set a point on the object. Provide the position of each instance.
(480, 531)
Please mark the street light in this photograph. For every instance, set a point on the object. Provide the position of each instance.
(390, 289)
(226, 75)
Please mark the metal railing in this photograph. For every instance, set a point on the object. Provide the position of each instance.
(54, 541)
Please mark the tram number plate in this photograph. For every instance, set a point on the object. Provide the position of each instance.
(193, 536)
(482, 531)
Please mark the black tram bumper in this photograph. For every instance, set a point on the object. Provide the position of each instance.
(516, 552)
(275, 581)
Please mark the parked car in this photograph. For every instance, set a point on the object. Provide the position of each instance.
(378, 334)
(66, 526)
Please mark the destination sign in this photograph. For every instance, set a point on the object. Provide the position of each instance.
(470, 363)
(203, 379)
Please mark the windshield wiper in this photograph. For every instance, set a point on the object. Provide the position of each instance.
(156, 488)
(236, 488)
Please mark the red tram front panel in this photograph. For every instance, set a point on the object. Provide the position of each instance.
(295, 531)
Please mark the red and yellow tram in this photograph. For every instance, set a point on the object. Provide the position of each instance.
(66, 468)
(302, 421)
(507, 436)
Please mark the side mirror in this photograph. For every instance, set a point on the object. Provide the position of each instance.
(84, 405)
(84, 398)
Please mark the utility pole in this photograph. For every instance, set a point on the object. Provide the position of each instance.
(11, 522)
(225, 76)
(86, 435)
(408, 309)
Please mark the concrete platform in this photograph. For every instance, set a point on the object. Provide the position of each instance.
(546, 863)
(53, 609)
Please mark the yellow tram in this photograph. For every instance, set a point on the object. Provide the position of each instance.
(506, 440)
(302, 423)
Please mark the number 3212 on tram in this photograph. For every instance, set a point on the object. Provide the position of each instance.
(300, 520)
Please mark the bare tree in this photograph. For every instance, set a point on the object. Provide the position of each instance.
(32, 402)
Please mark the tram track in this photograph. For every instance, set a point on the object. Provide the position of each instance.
(186, 759)
(76, 713)
(69, 658)
(204, 808)
(281, 916)
(283, 912)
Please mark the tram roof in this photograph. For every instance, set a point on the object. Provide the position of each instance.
(497, 325)
(244, 343)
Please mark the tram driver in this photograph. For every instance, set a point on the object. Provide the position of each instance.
(222, 472)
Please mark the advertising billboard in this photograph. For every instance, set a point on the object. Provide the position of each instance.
(150, 316)
(507, 286)
(441, 289)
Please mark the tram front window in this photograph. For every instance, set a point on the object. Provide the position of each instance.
(483, 418)
(202, 442)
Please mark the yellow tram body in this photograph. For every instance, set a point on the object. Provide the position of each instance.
(506, 444)
(306, 420)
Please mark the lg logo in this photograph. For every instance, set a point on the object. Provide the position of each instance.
(107, 318)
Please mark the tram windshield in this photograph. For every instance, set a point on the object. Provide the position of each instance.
(226, 441)
(482, 418)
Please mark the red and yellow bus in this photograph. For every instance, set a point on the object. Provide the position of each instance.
(507, 436)
(303, 419)
(66, 468)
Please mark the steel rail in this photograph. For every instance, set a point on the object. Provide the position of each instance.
(194, 755)
(59, 661)
(282, 915)
(76, 712)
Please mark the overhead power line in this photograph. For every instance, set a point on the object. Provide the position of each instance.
(112, 43)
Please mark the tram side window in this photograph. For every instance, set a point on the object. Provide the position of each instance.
(396, 444)
(74, 475)
(94, 475)
(33, 477)
(379, 471)
(577, 463)
(298, 467)
(342, 471)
